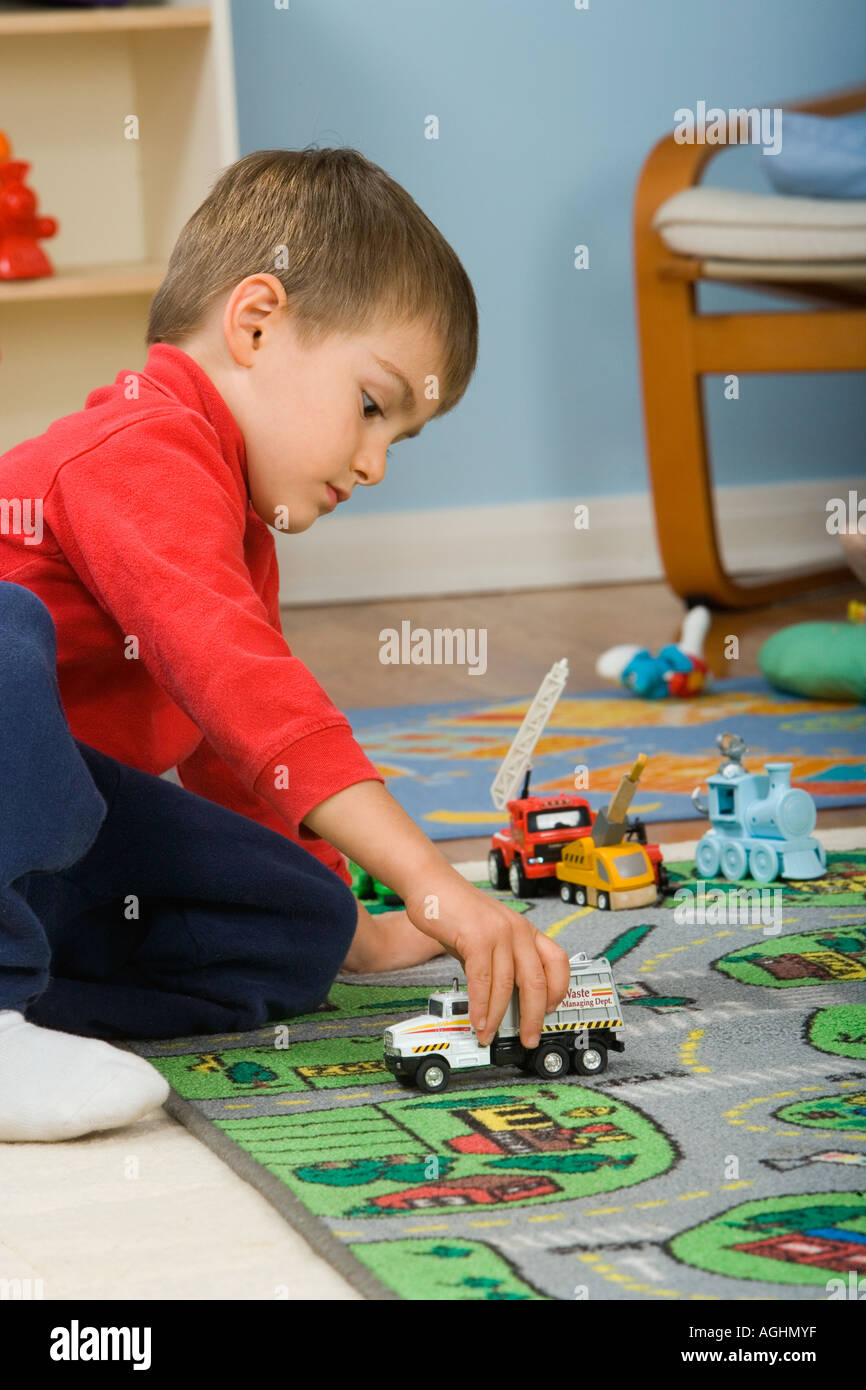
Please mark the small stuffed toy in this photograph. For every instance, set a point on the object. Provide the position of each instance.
(678, 671)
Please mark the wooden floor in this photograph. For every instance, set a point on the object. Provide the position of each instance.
(526, 633)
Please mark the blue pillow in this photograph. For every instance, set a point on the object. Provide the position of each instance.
(820, 157)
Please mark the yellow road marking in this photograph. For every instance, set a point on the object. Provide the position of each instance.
(563, 921)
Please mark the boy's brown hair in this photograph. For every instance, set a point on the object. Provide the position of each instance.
(346, 241)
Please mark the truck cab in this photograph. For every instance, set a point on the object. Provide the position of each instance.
(529, 847)
(444, 1029)
(614, 876)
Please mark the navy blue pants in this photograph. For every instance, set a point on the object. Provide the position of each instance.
(130, 907)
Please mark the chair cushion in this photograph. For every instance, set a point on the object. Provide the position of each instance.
(820, 156)
(762, 226)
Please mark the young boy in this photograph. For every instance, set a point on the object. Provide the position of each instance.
(311, 315)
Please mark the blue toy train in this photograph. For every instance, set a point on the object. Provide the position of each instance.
(760, 824)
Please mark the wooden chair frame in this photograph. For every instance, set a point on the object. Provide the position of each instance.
(678, 345)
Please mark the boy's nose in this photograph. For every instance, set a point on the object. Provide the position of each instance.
(370, 469)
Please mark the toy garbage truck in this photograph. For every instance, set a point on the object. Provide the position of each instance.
(427, 1049)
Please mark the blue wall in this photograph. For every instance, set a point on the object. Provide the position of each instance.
(546, 116)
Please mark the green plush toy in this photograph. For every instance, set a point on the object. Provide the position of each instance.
(826, 661)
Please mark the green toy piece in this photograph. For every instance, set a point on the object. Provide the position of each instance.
(826, 661)
(375, 896)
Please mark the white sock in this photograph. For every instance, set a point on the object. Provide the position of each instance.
(58, 1086)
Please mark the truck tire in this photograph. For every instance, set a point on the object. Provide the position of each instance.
(566, 892)
(517, 880)
(496, 871)
(580, 897)
(550, 1061)
(602, 902)
(432, 1075)
(591, 1061)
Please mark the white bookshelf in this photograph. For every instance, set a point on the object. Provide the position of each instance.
(68, 80)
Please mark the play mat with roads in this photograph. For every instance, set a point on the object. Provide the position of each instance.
(721, 1156)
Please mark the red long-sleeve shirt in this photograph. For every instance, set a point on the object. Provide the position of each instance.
(163, 585)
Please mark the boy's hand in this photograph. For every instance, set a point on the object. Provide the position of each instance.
(498, 949)
(495, 945)
(388, 941)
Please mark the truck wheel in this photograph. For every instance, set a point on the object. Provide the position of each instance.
(517, 879)
(566, 892)
(580, 897)
(496, 870)
(591, 1061)
(603, 902)
(550, 1062)
(432, 1075)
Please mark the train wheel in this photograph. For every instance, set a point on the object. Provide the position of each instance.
(551, 1061)
(707, 857)
(496, 870)
(432, 1075)
(764, 863)
(733, 861)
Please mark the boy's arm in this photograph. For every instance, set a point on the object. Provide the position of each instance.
(496, 946)
(154, 525)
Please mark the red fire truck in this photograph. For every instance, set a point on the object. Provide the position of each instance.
(530, 846)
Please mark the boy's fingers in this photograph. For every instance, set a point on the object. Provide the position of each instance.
(490, 980)
(501, 987)
(533, 985)
(556, 969)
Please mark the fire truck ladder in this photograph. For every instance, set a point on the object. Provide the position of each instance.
(517, 759)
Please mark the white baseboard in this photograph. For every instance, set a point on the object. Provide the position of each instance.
(535, 545)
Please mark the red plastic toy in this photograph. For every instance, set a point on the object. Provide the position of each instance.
(21, 258)
(530, 846)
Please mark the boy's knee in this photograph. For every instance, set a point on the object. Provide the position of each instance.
(341, 907)
(339, 920)
(27, 632)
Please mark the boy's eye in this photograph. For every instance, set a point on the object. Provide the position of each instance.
(372, 403)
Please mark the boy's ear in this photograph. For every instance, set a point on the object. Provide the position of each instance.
(253, 304)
